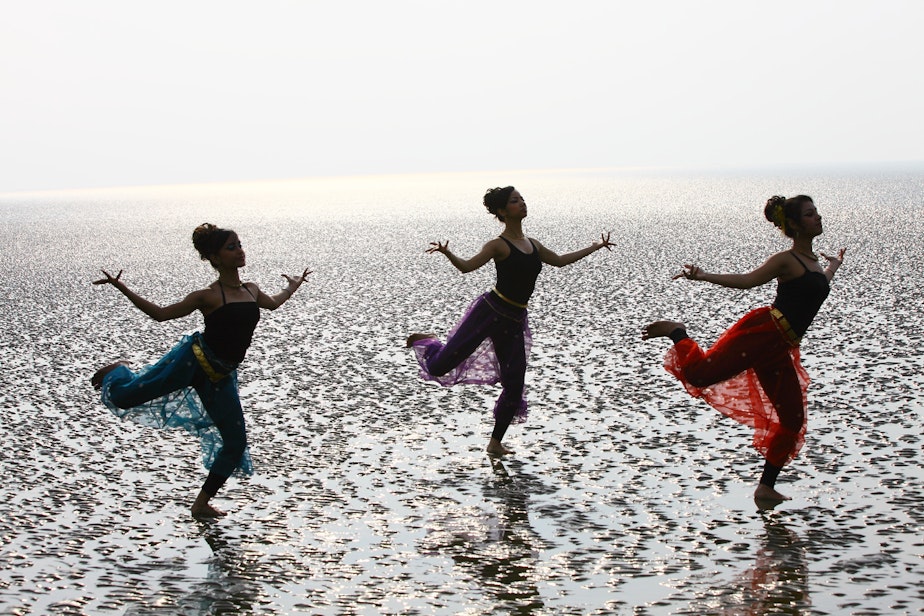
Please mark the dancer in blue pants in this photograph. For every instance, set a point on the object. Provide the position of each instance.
(194, 386)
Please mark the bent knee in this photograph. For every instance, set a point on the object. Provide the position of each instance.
(234, 455)
(698, 380)
(235, 447)
(438, 368)
(792, 421)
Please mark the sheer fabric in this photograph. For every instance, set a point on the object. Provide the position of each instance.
(753, 375)
(490, 345)
(169, 394)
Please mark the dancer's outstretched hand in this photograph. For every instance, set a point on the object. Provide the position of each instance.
(297, 279)
(835, 260)
(438, 247)
(689, 271)
(110, 279)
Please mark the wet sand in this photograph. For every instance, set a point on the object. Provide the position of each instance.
(373, 493)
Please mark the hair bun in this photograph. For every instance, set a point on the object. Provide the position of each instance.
(773, 211)
(203, 229)
(208, 239)
(496, 199)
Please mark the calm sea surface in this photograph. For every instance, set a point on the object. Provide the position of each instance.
(373, 494)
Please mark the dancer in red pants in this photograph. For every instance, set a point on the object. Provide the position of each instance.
(753, 373)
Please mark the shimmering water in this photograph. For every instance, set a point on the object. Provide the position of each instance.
(373, 494)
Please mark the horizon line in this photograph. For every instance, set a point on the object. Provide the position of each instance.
(780, 166)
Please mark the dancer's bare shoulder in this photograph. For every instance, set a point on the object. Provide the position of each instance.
(496, 248)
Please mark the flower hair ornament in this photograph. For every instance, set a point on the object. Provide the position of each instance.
(779, 215)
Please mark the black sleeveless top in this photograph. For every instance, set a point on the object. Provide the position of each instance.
(516, 275)
(801, 298)
(229, 330)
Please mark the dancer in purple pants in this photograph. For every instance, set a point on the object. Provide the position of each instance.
(491, 343)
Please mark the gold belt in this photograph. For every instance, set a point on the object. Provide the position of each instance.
(785, 328)
(214, 375)
(507, 299)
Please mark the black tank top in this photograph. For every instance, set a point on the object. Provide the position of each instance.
(229, 329)
(516, 275)
(801, 298)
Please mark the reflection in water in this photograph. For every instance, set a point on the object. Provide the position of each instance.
(499, 550)
(373, 494)
(514, 566)
(229, 587)
(777, 582)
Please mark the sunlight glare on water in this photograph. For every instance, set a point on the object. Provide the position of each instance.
(373, 493)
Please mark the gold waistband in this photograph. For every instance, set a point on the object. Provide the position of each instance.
(214, 375)
(785, 328)
(507, 299)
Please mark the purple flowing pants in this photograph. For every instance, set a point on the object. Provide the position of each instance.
(489, 345)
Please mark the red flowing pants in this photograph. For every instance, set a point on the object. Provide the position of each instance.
(753, 375)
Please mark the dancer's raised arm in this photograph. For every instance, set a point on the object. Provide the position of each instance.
(272, 302)
(834, 263)
(557, 260)
(490, 250)
(777, 266)
(780, 266)
(192, 302)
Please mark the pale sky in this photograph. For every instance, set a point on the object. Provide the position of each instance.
(102, 93)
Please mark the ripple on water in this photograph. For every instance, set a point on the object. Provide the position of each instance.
(373, 493)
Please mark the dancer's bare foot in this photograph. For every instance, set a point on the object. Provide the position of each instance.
(201, 509)
(495, 448)
(97, 379)
(766, 494)
(206, 511)
(415, 337)
(660, 329)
